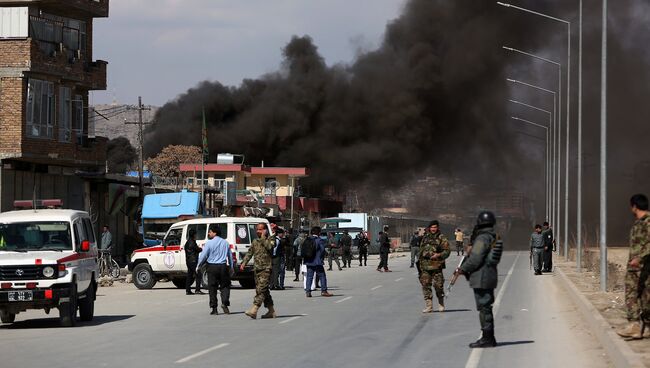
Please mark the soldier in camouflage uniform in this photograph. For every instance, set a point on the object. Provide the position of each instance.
(261, 251)
(434, 249)
(639, 252)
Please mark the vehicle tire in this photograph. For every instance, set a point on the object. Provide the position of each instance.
(204, 278)
(7, 317)
(247, 283)
(87, 304)
(143, 276)
(115, 270)
(68, 311)
(179, 283)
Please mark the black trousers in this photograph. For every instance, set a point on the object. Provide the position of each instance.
(297, 262)
(363, 255)
(548, 260)
(219, 280)
(191, 275)
(276, 265)
(383, 261)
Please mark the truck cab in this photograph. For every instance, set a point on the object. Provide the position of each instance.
(48, 260)
(161, 210)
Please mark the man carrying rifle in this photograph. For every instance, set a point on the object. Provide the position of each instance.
(639, 252)
(434, 249)
(481, 269)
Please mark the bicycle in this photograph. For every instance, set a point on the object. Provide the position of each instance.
(107, 265)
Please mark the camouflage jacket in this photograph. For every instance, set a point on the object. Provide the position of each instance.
(433, 244)
(261, 251)
(640, 238)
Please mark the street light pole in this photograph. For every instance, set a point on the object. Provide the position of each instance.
(555, 158)
(579, 189)
(603, 155)
(568, 114)
(548, 148)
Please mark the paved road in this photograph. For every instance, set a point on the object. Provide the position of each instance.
(373, 321)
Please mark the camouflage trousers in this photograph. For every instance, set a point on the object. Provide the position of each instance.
(636, 305)
(262, 293)
(435, 278)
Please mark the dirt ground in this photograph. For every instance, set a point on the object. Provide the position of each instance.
(611, 303)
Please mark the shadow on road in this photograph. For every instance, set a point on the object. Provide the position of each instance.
(289, 316)
(506, 343)
(54, 322)
(453, 310)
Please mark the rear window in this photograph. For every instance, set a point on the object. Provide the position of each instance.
(201, 231)
(242, 234)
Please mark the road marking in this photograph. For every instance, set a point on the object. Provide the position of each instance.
(202, 352)
(342, 300)
(194, 302)
(475, 355)
(400, 279)
(376, 287)
(291, 319)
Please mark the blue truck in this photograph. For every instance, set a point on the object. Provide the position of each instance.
(161, 210)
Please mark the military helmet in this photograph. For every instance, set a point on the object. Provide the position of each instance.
(486, 218)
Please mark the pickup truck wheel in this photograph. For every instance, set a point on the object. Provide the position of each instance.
(179, 283)
(204, 278)
(143, 276)
(68, 311)
(87, 304)
(247, 283)
(7, 317)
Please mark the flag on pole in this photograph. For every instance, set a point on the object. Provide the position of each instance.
(204, 136)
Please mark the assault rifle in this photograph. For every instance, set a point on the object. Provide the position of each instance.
(454, 277)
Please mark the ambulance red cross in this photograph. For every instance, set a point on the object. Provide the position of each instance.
(48, 260)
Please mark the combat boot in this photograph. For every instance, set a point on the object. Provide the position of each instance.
(441, 304)
(270, 313)
(226, 310)
(632, 330)
(429, 306)
(252, 312)
(487, 340)
(645, 329)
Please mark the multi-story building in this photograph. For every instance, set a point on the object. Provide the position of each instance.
(46, 72)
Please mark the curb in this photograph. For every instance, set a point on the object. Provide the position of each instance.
(619, 352)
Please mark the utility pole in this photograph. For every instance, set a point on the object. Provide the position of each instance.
(603, 153)
(141, 125)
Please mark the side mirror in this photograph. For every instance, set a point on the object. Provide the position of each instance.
(85, 246)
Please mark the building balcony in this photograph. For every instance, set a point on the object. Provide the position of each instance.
(95, 8)
(28, 55)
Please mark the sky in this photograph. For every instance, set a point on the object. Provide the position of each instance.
(158, 49)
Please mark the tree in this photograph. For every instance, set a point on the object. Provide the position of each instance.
(120, 155)
(166, 163)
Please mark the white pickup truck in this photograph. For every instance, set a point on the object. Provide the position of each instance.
(48, 260)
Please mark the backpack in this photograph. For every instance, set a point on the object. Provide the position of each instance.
(308, 249)
(496, 250)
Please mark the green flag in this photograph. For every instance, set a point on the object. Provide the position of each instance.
(204, 136)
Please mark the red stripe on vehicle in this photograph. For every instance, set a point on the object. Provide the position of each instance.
(75, 257)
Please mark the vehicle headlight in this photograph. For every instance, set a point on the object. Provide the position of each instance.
(48, 271)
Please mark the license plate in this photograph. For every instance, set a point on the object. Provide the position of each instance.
(21, 296)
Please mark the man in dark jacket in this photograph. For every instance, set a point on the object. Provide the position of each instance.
(346, 245)
(192, 251)
(549, 247)
(277, 257)
(481, 268)
(363, 248)
(315, 265)
(384, 249)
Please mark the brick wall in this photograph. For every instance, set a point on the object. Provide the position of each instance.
(12, 92)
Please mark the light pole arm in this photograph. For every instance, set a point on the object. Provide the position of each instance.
(533, 12)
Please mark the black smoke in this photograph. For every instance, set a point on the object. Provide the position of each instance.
(120, 155)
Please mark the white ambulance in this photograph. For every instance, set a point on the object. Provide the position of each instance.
(167, 260)
(48, 260)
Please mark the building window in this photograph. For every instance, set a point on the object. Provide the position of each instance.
(52, 32)
(78, 117)
(40, 109)
(65, 116)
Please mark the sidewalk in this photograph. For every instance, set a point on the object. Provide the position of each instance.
(605, 312)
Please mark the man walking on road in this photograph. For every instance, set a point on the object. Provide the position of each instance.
(537, 249)
(346, 246)
(415, 247)
(549, 245)
(315, 264)
(216, 253)
(639, 252)
(297, 258)
(363, 248)
(481, 266)
(333, 251)
(261, 250)
(459, 242)
(192, 251)
(434, 249)
(278, 272)
(384, 249)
